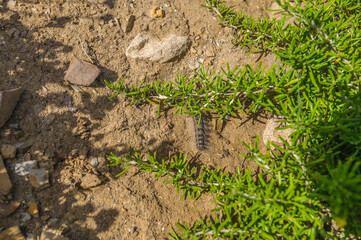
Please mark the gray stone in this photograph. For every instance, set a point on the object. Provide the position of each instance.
(8, 101)
(14, 125)
(147, 47)
(8, 151)
(23, 147)
(39, 178)
(25, 217)
(53, 221)
(90, 180)
(81, 73)
(23, 168)
(94, 161)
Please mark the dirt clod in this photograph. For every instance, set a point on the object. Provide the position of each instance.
(90, 181)
(156, 12)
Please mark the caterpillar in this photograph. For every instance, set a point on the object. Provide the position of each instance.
(199, 132)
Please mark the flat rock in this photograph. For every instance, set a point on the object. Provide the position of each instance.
(12, 233)
(81, 73)
(23, 168)
(39, 178)
(146, 46)
(52, 234)
(5, 183)
(8, 209)
(90, 180)
(8, 101)
(23, 147)
(8, 151)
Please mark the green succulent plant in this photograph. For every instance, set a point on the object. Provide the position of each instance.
(310, 186)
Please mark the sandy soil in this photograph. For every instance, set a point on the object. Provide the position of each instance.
(38, 40)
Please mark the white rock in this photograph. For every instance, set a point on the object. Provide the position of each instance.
(146, 46)
(23, 168)
(94, 161)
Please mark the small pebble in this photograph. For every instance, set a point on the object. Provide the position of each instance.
(25, 217)
(210, 53)
(8, 151)
(14, 125)
(33, 209)
(94, 161)
(11, 4)
(79, 195)
(53, 221)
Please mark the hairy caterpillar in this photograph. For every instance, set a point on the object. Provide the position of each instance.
(199, 132)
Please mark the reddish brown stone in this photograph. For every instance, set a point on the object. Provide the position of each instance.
(8, 101)
(81, 73)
